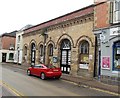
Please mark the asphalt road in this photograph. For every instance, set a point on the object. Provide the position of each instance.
(17, 81)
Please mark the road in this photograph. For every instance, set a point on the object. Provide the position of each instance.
(17, 83)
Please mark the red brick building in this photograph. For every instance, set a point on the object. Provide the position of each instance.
(7, 46)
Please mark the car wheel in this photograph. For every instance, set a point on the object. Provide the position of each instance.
(42, 76)
(28, 72)
(57, 77)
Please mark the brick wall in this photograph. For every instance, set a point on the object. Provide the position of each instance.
(7, 41)
(101, 15)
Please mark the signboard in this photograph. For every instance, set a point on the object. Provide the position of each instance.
(106, 62)
(83, 66)
(114, 31)
(55, 59)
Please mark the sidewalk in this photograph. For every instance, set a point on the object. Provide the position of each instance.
(81, 80)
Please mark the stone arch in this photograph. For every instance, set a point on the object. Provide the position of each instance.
(25, 46)
(84, 37)
(64, 36)
(50, 42)
(25, 52)
(33, 41)
(40, 43)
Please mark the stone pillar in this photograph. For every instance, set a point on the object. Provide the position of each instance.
(74, 61)
(58, 58)
(91, 61)
(37, 58)
(28, 56)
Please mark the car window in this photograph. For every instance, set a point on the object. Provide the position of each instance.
(50, 66)
(38, 66)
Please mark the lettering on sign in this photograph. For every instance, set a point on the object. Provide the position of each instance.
(114, 31)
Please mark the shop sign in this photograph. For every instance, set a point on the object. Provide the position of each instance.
(114, 31)
(55, 59)
(83, 66)
(105, 62)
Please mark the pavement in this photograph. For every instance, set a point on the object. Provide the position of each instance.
(81, 81)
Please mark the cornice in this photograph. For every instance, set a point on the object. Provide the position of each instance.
(76, 21)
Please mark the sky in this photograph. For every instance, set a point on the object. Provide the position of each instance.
(15, 14)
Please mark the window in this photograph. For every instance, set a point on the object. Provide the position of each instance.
(50, 50)
(25, 50)
(41, 50)
(116, 11)
(84, 52)
(65, 44)
(84, 47)
(18, 38)
(116, 56)
(11, 55)
(117, 5)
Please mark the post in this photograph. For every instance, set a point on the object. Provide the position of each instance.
(45, 37)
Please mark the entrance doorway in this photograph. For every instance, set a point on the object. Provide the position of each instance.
(33, 54)
(65, 56)
(4, 57)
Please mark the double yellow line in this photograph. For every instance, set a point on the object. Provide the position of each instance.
(17, 93)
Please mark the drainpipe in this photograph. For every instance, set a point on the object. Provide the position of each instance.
(45, 37)
(95, 56)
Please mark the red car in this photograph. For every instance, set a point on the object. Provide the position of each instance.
(44, 71)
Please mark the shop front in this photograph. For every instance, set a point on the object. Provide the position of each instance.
(109, 47)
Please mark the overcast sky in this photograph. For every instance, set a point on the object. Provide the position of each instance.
(15, 14)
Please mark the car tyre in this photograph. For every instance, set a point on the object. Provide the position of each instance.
(57, 77)
(42, 76)
(28, 72)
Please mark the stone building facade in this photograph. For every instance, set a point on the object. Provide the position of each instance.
(66, 42)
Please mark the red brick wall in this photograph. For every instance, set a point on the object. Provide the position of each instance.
(6, 41)
(101, 12)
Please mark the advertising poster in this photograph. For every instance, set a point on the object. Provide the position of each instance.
(105, 62)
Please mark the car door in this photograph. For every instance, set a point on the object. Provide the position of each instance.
(39, 69)
(34, 70)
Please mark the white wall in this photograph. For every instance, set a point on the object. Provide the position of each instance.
(20, 45)
(7, 56)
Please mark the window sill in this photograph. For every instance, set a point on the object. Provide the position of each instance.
(115, 72)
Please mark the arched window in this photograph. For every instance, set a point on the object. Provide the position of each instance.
(84, 53)
(50, 50)
(84, 47)
(41, 50)
(25, 50)
(65, 44)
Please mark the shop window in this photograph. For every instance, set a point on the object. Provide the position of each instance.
(11, 55)
(116, 56)
(50, 50)
(41, 50)
(84, 52)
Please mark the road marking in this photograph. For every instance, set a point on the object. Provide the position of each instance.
(105, 91)
(97, 89)
(17, 93)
